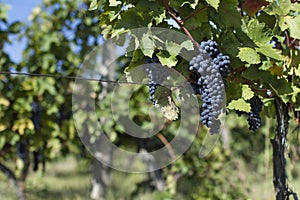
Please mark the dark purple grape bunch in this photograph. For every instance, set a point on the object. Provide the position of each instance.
(211, 67)
(156, 74)
(254, 119)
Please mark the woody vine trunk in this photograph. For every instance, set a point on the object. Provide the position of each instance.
(278, 143)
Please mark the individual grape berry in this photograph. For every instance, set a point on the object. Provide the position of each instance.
(290, 78)
(276, 43)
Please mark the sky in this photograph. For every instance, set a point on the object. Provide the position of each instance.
(19, 10)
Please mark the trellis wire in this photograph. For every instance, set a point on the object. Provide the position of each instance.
(78, 78)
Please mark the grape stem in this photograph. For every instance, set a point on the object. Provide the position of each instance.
(290, 42)
(179, 22)
(167, 144)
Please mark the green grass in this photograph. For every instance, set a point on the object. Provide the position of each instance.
(63, 181)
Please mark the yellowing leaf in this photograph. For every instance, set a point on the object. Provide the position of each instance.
(30, 125)
(2, 127)
(239, 104)
(21, 124)
(4, 101)
(276, 70)
(22, 129)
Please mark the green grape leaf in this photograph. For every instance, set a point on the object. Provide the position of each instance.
(249, 55)
(280, 86)
(4, 10)
(213, 3)
(266, 65)
(233, 91)
(193, 22)
(188, 45)
(167, 59)
(295, 93)
(257, 31)
(229, 6)
(240, 105)
(173, 48)
(147, 45)
(279, 7)
(159, 18)
(93, 5)
(293, 24)
(267, 50)
(192, 5)
(247, 92)
(297, 71)
(222, 18)
(114, 3)
(130, 19)
(2, 142)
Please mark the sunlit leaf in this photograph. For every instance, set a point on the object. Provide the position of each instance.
(240, 105)
(249, 55)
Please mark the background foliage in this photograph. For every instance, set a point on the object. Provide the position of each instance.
(261, 39)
